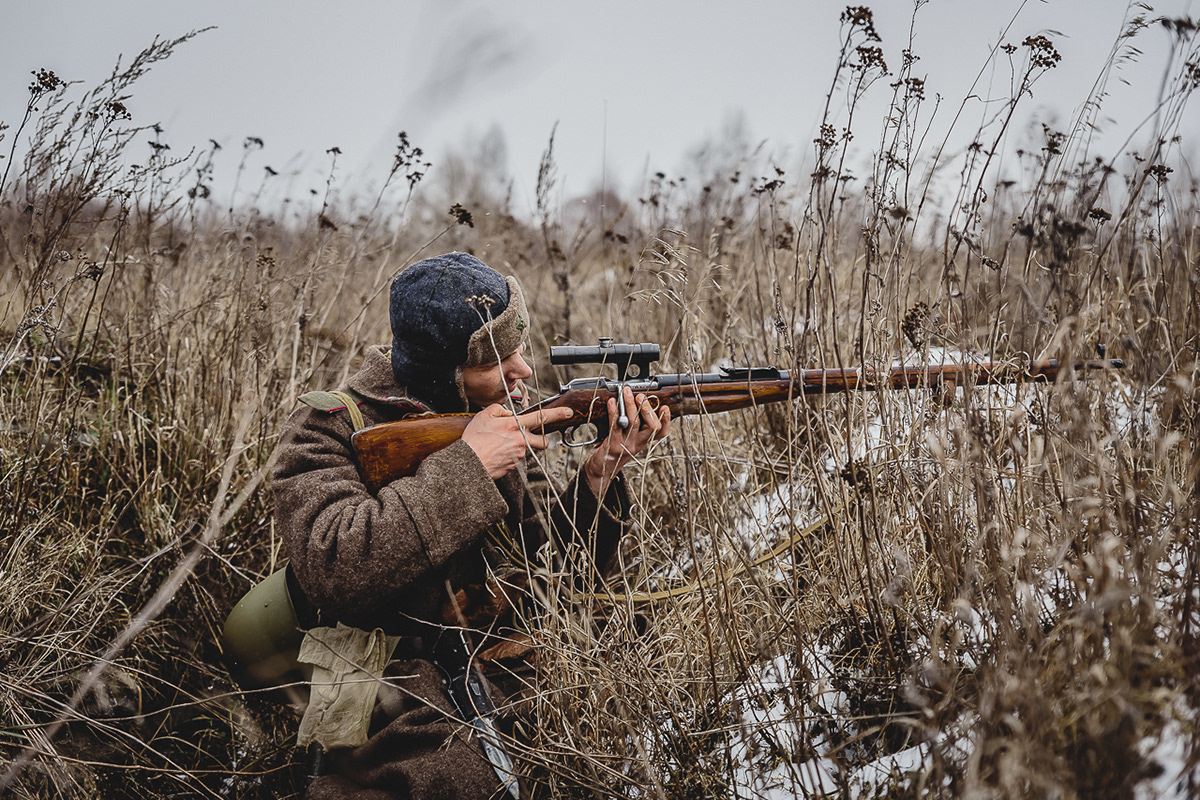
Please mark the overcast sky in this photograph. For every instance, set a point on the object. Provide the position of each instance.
(632, 86)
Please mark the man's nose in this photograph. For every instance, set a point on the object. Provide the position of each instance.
(518, 369)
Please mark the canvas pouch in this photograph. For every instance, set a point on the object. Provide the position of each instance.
(348, 666)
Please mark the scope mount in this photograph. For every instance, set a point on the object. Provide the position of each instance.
(627, 358)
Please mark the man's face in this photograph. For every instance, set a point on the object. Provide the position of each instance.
(497, 383)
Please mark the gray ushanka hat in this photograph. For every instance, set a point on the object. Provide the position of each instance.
(449, 312)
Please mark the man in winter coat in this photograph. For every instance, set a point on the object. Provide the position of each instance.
(394, 573)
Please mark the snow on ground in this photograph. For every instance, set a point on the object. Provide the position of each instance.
(770, 730)
(780, 714)
(1176, 782)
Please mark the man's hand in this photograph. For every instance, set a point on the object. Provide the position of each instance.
(502, 440)
(645, 426)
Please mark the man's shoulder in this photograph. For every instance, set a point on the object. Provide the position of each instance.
(375, 383)
(371, 395)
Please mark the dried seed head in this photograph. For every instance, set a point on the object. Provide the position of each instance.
(45, 81)
(857, 476)
(913, 325)
(462, 216)
(487, 301)
(1042, 52)
(1054, 140)
(869, 57)
(115, 109)
(1159, 172)
(861, 17)
(828, 137)
(408, 159)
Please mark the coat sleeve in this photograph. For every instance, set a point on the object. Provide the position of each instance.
(355, 554)
(586, 530)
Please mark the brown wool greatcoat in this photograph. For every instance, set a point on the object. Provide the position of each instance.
(393, 559)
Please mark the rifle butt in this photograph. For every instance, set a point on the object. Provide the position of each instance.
(394, 450)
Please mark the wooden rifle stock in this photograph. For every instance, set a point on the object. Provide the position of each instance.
(394, 450)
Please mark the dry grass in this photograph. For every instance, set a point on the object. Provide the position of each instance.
(1009, 582)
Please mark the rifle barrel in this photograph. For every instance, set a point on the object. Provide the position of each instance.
(779, 384)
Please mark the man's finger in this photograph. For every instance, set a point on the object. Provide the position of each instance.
(649, 414)
(537, 441)
(536, 419)
(664, 414)
(495, 410)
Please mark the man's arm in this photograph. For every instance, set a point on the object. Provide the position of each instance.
(358, 555)
(589, 516)
(621, 445)
(586, 530)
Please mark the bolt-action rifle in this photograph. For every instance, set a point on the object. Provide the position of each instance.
(395, 449)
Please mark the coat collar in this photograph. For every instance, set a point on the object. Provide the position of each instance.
(376, 383)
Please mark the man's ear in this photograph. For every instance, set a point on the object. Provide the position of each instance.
(461, 387)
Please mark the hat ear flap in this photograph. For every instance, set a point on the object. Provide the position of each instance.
(502, 336)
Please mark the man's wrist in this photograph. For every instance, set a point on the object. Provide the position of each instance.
(600, 467)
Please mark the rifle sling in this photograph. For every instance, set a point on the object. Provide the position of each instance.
(356, 415)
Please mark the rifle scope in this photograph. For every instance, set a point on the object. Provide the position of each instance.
(623, 356)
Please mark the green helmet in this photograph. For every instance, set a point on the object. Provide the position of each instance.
(262, 636)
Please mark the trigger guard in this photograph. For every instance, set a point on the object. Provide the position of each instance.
(569, 433)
